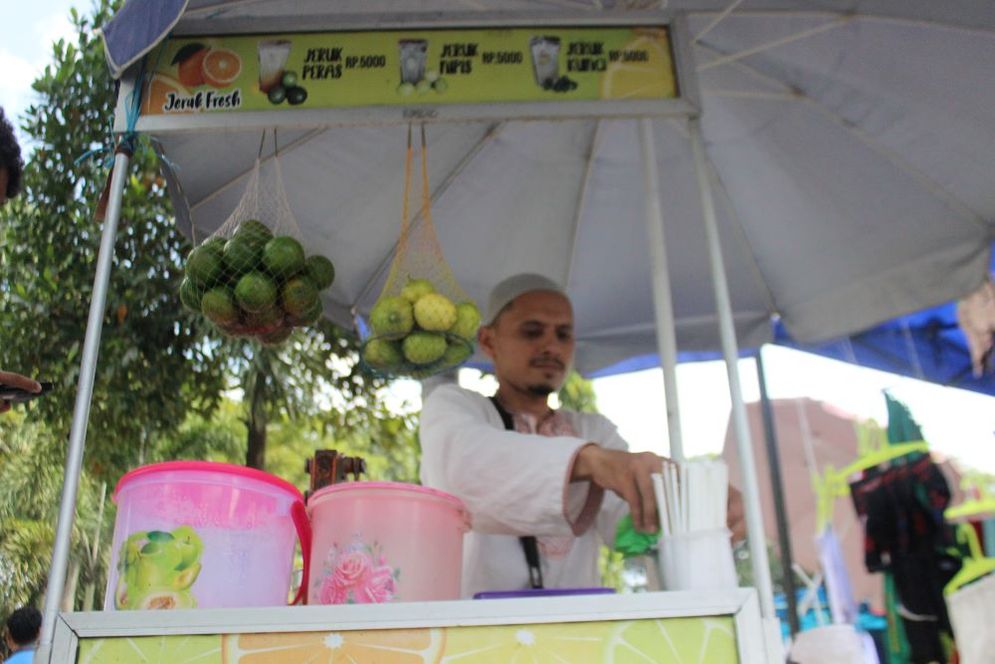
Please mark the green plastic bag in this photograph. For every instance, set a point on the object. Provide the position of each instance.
(630, 542)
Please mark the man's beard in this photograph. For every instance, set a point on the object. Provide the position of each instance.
(541, 390)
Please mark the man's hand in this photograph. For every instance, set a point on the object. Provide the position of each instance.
(628, 475)
(16, 380)
(736, 514)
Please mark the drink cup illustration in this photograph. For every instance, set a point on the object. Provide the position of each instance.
(545, 60)
(273, 56)
(414, 55)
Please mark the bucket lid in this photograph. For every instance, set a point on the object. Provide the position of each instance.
(390, 486)
(208, 467)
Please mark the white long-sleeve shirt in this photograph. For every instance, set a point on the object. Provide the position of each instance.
(517, 484)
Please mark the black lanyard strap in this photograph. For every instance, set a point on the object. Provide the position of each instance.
(529, 545)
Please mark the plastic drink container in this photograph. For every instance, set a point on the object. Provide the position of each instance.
(697, 560)
(385, 541)
(199, 534)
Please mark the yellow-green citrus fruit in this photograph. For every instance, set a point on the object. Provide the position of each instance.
(298, 295)
(241, 255)
(219, 306)
(255, 232)
(204, 265)
(216, 244)
(255, 292)
(310, 316)
(415, 289)
(392, 317)
(435, 312)
(185, 577)
(189, 543)
(456, 353)
(423, 347)
(283, 256)
(467, 320)
(320, 271)
(266, 320)
(277, 336)
(166, 599)
(383, 354)
(190, 294)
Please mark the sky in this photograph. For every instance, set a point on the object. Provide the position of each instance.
(26, 38)
(956, 423)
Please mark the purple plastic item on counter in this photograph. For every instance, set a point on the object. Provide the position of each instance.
(542, 592)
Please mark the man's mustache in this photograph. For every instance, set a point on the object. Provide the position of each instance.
(546, 361)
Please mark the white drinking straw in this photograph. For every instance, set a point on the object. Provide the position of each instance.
(661, 504)
(685, 491)
(676, 522)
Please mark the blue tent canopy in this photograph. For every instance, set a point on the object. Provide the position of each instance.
(927, 345)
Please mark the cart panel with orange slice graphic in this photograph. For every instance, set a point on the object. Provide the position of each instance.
(677, 627)
(633, 66)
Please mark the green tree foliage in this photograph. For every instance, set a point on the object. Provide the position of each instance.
(577, 394)
(156, 362)
(387, 442)
(315, 376)
(162, 373)
(29, 491)
(744, 567)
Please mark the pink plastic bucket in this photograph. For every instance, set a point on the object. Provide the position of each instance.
(384, 541)
(210, 535)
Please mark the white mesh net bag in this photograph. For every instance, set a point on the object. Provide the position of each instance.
(422, 323)
(251, 277)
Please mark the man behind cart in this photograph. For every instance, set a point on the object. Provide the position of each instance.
(546, 488)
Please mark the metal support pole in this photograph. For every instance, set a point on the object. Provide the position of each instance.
(81, 410)
(666, 336)
(777, 488)
(727, 332)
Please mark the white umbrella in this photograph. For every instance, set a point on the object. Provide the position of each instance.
(851, 152)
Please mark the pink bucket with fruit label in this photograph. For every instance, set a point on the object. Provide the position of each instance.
(385, 542)
(196, 534)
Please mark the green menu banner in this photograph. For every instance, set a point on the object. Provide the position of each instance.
(409, 68)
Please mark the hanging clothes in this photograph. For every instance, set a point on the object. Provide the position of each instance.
(988, 537)
(905, 534)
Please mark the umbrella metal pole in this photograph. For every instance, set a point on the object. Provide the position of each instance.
(81, 411)
(777, 488)
(727, 332)
(666, 336)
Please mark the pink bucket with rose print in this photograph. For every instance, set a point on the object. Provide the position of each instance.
(377, 542)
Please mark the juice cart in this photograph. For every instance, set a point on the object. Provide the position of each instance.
(530, 116)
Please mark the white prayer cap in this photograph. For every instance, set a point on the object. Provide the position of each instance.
(512, 287)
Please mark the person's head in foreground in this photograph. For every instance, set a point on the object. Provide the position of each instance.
(11, 164)
(528, 335)
(22, 628)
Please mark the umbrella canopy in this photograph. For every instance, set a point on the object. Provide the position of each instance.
(851, 169)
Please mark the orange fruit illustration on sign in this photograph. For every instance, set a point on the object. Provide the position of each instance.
(191, 70)
(221, 67)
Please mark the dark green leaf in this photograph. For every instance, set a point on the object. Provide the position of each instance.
(186, 52)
